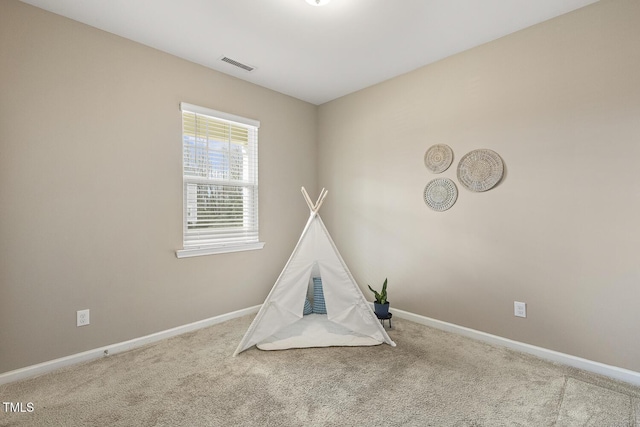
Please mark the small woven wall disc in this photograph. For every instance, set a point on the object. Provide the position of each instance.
(438, 158)
(440, 194)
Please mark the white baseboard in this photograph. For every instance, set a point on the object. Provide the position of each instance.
(621, 374)
(45, 367)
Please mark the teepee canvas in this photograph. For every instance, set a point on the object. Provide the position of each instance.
(349, 318)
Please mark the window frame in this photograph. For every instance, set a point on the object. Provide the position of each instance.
(191, 249)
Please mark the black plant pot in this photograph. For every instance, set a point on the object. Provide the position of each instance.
(381, 310)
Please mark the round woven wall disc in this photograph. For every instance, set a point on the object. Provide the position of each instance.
(480, 170)
(438, 158)
(440, 194)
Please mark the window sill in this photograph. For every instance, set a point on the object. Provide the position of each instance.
(223, 249)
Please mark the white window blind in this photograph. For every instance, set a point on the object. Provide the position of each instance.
(220, 180)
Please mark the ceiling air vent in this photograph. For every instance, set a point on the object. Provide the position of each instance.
(237, 64)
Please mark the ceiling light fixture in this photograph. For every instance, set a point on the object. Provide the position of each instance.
(317, 2)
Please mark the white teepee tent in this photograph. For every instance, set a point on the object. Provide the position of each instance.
(350, 319)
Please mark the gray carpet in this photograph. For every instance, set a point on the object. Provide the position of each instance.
(432, 378)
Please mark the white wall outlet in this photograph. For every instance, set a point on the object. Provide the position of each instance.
(520, 309)
(82, 317)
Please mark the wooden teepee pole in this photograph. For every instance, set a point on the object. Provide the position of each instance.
(323, 194)
(307, 199)
(314, 207)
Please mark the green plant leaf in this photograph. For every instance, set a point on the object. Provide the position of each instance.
(377, 296)
(381, 298)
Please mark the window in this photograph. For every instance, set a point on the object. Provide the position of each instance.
(220, 182)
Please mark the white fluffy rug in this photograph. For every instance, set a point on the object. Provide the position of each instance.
(315, 330)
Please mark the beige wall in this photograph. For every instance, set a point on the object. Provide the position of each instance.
(560, 102)
(91, 195)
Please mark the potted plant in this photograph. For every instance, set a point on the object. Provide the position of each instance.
(381, 305)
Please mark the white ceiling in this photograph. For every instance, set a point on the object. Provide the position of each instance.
(312, 53)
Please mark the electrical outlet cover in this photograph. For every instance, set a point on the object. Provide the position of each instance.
(519, 309)
(82, 318)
